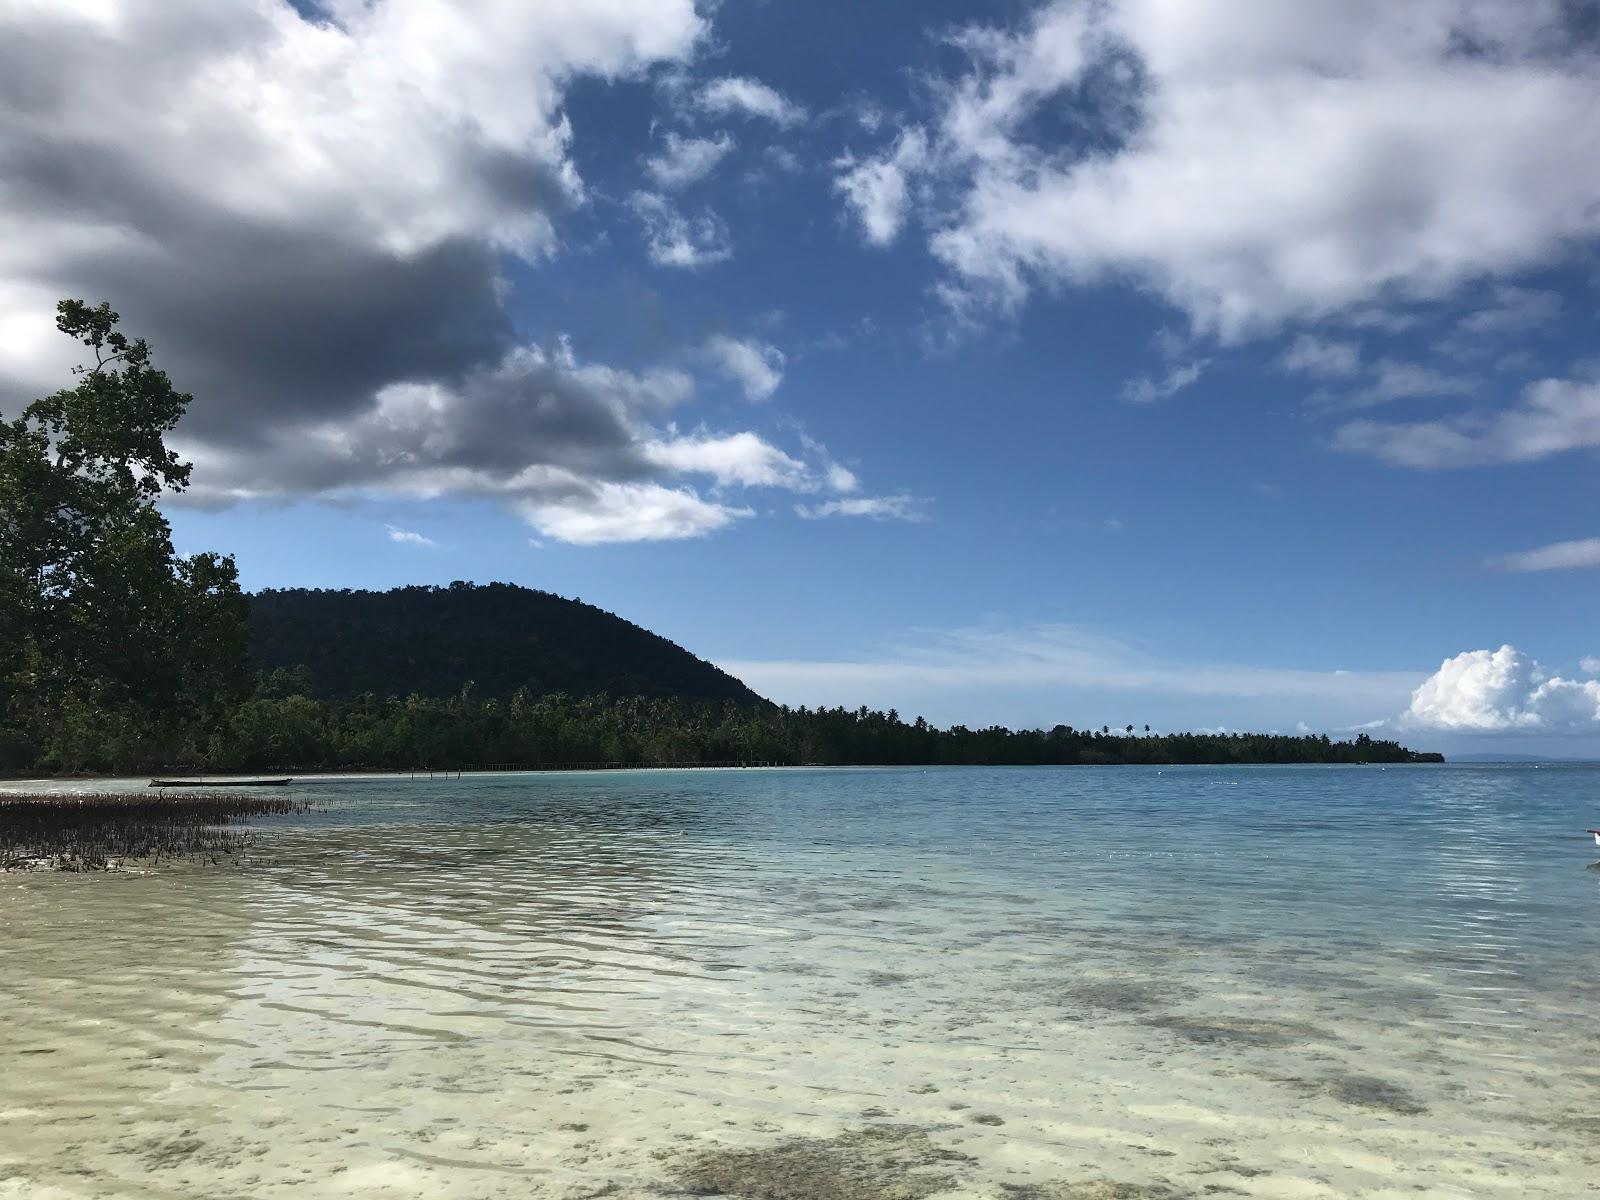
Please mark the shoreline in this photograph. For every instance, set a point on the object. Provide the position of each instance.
(439, 774)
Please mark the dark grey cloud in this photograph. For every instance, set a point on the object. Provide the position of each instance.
(272, 327)
(482, 432)
(308, 211)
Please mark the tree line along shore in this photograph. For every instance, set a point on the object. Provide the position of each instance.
(276, 731)
(118, 655)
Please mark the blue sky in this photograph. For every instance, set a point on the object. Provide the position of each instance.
(1137, 362)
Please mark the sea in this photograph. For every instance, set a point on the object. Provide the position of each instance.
(1078, 983)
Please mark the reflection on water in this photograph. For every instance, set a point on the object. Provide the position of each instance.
(890, 983)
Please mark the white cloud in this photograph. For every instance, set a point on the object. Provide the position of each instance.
(877, 508)
(1553, 416)
(676, 240)
(877, 188)
(742, 96)
(686, 160)
(1146, 390)
(628, 512)
(1558, 556)
(1257, 164)
(1590, 666)
(1502, 691)
(741, 459)
(1324, 357)
(756, 367)
(408, 538)
(842, 478)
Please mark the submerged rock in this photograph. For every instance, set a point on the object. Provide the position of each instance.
(1093, 1189)
(1239, 1031)
(1367, 1091)
(1123, 995)
(883, 1162)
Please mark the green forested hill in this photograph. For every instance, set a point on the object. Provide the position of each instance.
(433, 640)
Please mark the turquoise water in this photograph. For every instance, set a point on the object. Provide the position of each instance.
(1290, 982)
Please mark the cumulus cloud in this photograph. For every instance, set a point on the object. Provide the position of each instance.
(1590, 666)
(585, 452)
(686, 160)
(756, 367)
(675, 239)
(1558, 556)
(407, 537)
(741, 96)
(1502, 691)
(295, 212)
(876, 508)
(1256, 167)
(1553, 416)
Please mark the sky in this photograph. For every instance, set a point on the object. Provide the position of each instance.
(1192, 363)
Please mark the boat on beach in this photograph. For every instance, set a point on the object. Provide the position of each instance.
(219, 783)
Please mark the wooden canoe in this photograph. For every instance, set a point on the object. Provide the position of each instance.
(219, 783)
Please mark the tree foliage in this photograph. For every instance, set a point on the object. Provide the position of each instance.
(283, 729)
(108, 639)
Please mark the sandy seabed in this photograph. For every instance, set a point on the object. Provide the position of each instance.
(505, 1010)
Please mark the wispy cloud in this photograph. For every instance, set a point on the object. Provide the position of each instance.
(879, 189)
(1557, 556)
(1512, 310)
(407, 537)
(1060, 656)
(1147, 389)
(1395, 380)
(676, 239)
(757, 367)
(686, 160)
(875, 508)
(743, 96)
(1324, 357)
(1553, 416)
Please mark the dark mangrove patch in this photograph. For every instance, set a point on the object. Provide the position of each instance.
(103, 831)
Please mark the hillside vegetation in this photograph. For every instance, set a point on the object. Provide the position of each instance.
(432, 641)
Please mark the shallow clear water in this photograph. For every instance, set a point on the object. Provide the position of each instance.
(1285, 982)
